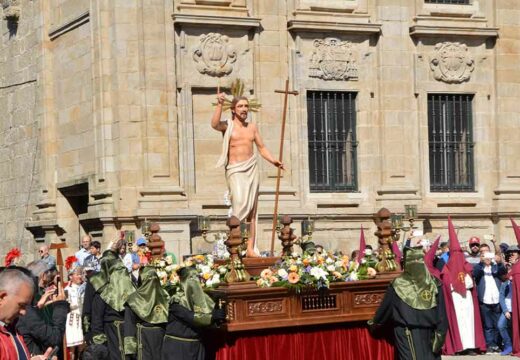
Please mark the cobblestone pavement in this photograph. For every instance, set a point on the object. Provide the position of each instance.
(479, 357)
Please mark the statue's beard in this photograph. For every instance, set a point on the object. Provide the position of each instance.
(242, 116)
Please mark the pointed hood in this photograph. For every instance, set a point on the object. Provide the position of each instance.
(362, 246)
(516, 230)
(456, 264)
(416, 286)
(430, 257)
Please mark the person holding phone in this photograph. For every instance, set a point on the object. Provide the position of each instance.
(16, 292)
(43, 325)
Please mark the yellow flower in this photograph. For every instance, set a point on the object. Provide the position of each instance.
(306, 262)
(206, 276)
(293, 268)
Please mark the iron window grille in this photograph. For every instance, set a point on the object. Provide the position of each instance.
(460, 2)
(450, 136)
(331, 117)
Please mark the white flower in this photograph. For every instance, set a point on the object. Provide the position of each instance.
(215, 279)
(363, 261)
(205, 269)
(338, 264)
(294, 255)
(298, 261)
(162, 263)
(318, 273)
(329, 260)
(331, 268)
(168, 259)
(353, 276)
(222, 270)
(209, 283)
(282, 273)
(169, 268)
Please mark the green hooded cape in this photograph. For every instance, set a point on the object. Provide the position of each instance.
(191, 295)
(150, 301)
(416, 286)
(119, 287)
(100, 279)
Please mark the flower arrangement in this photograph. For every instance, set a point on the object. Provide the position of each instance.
(313, 271)
(209, 273)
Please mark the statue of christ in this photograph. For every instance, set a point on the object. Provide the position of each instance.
(239, 161)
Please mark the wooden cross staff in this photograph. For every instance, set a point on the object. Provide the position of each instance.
(59, 264)
(59, 256)
(280, 158)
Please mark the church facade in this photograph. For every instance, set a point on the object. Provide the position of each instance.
(106, 108)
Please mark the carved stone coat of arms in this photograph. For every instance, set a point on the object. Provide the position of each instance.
(452, 63)
(214, 55)
(333, 59)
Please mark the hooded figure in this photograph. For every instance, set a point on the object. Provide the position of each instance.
(113, 286)
(191, 310)
(414, 302)
(146, 315)
(465, 332)
(515, 306)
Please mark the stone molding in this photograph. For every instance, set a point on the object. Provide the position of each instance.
(435, 31)
(214, 55)
(333, 59)
(342, 27)
(228, 21)
(452, 63)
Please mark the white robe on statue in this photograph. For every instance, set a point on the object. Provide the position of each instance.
(465, 315)
(242, 180)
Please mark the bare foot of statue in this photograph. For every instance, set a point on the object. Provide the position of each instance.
(251, 253)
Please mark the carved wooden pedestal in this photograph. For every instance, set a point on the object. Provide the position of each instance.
(274, 324)
(250, 307)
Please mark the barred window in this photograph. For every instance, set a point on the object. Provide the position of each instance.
(461, 2)
(450, 134)
(331, 118)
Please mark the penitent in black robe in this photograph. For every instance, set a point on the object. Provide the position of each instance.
(182, 338)
(148, 337)
(107, 327)
(413, 329)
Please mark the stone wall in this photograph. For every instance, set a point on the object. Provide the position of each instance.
(124, 95)
(20, 128)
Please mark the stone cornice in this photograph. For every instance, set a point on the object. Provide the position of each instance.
(430, 30)
(320, 26)
(227, 21)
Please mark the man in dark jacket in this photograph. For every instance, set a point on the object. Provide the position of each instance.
(487, 276)
(38, 330)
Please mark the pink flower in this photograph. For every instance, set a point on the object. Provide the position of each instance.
(293, 277)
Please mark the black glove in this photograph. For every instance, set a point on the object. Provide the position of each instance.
(218, 315)
(95, 352)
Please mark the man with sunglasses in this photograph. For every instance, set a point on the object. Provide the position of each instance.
(46, 257)
(473, 254)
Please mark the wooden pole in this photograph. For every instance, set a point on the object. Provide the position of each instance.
(286, 93)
